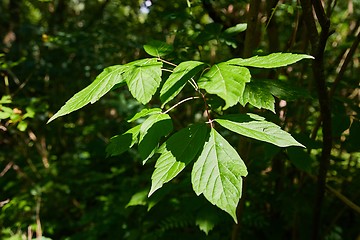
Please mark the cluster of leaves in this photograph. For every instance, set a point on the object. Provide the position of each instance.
(14, 115)
(218, 169)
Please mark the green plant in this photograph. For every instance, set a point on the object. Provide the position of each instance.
(218, 169)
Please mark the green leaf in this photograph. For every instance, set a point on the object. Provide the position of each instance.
(5, 112)
(207, 218)
(205, 225)
(151, 130)
(254, 126)
(177, 80)
(226, 81)
(217, 174)
(273, 60)
(143, 78)
(22, 126)
(229, 36)
(238, 28)
(300, 158)
(176, 153)
(258, 97)
(5, 99)
(98, 88)
(281, 89)
(211, 31)
(145, 112)
(121, 143)
(138, 198)
(158, 48)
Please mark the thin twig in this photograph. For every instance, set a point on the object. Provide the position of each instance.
(193, 84)
(38, 221)
(7, 168)
(167, 70)
(207, 109)
(170, 63)
(182, 101)
(3, 203)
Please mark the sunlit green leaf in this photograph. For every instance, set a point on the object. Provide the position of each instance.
(22, 126)
(121, 143)
(139, 198)
(151, 130)
(177, 80)
(145, 112)
(205, 225)
(158, 48)
(178, 151)
(98, 88)
(254, 126)
(273, 60)
(5, 99)
(143, 78)
(226, 81)
(5, 112)
(258, 97)
(218, 174)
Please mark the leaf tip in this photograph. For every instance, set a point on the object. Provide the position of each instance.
(51, 119)
(152, 190)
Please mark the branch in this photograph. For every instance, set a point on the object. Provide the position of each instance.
(320, 13)
(343, 60)
(318, 43)
(344, 199)
(310, 22)
(349, 55)
(3, 203)
(252, 21)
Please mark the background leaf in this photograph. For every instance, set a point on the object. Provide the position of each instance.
(177, 80)
(139, 198)
(210, 31)
(98, 88)
(273, 60)
(144, 78)
(226, 81)
(254, 126)
(176, 153)
(238, 28)
(231, 34)
(217, 174)
(157, 48)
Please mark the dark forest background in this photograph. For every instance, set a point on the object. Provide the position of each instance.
(56, 181)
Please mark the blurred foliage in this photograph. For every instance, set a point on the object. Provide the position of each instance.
(55, 179)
